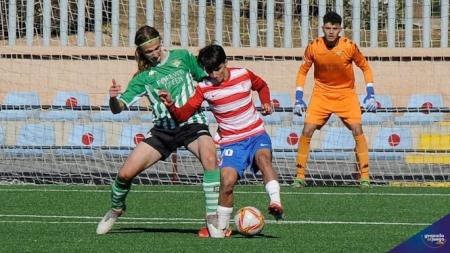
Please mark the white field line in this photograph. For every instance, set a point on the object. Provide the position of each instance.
(366, 193)
(49, 219)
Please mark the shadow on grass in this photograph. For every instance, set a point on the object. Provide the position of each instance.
(235, 234)
(156, 230)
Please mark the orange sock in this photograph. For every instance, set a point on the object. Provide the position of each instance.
(302, 156)
(362, 154)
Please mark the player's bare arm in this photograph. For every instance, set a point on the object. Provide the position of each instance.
(115, 105)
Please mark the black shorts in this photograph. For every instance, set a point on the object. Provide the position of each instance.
(165, 141)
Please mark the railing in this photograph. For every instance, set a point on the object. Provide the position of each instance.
(386, 23)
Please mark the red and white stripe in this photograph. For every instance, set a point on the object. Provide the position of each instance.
(232, 104)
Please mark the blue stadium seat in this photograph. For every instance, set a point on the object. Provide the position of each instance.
(34, 137)
(273, 119)
(378, 118)
(67, 98)
(108, 116)
(286, 138)
(280, 100)
(390, 139)
(297, 120)
(2, 136)
(85, 138)
(131, 135)
(335, 140)
(420, 118)
(20, 98)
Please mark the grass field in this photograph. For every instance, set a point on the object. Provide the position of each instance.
(166, 219)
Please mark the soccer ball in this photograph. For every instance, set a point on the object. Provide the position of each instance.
(249, 221)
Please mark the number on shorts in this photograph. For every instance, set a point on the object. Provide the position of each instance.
(227, 152)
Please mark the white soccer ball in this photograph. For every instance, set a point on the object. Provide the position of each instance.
(249, 221)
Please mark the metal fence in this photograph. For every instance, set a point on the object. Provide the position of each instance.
(237, 23)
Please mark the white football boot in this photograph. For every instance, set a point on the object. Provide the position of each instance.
(108, 221)
(212, 223)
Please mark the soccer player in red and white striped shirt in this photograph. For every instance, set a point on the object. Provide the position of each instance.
(241, 135)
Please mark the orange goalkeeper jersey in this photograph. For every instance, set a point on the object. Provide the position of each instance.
(333, 68)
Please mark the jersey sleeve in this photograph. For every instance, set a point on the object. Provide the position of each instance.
(362, 63)
(135, 89)
(181, 114)
(308, 58)
(259, 85)
(197, 72)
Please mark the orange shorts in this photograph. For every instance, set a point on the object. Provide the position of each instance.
(344, 105)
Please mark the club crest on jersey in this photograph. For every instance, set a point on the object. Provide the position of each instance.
(176, 63)
(339, 53)
(151, 72)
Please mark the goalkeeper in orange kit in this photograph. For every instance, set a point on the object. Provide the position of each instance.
(334, 92)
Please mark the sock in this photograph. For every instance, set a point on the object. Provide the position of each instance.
(362, 152)
(119, 192)
(302, 156)
(211, 184)
(273, 189)
(223, 214)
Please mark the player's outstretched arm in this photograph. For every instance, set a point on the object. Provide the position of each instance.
(115, 105)
(178, 114)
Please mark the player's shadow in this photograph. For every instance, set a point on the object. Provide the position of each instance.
(236, 235)
(155, 230)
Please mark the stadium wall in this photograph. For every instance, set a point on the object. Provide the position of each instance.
(399, 72)
(420, 70)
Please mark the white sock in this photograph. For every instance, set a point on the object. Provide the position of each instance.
(273, 189)
(223, 214)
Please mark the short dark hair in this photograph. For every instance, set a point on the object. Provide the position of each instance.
(210, 57)
(332, 18)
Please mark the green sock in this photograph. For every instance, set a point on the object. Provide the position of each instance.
(211, 185)
(119, 192)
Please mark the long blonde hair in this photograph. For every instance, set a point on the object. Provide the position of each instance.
(144, 34)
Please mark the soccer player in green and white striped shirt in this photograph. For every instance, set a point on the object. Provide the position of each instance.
(174, 71)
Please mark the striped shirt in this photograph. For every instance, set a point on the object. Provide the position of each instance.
(176, 74)
(231, 103)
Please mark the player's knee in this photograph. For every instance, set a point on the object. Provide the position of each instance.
(227, 185)
(210, 161)
(308, 131)
(356, 130)
(263, 160)
(124, 176)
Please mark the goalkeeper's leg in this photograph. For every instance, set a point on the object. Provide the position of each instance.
(362, 154)
(142, 157)
(304, 146)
